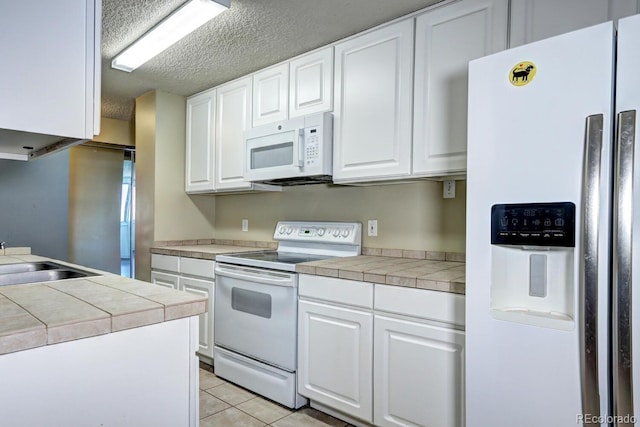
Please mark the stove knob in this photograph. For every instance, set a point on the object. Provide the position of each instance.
(321, 232)
(289, 230)
(336, 232)
(345, 232)
(281, 229)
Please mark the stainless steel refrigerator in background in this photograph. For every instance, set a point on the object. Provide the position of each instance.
(553, 232)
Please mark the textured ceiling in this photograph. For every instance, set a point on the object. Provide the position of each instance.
(252, 35)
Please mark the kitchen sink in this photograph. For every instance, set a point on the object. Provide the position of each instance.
(33, 272)
(29, 266)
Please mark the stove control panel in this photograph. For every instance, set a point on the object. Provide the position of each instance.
(319, 232)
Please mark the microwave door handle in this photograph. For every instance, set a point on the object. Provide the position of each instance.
(300, 148)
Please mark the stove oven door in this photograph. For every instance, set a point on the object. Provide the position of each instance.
(255, 313)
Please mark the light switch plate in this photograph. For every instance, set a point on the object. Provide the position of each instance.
(449, 189)
(372, 227)
(245, 225)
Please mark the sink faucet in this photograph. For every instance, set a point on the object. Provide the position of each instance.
(3, 245)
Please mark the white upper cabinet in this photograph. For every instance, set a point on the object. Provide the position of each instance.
(311, 83)
(50, 74)
(271, 95)
(200, 153)
(447, 38)
(533, 20)
(373, 103)
(233, 117)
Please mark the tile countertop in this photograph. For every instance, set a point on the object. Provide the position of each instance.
(203, 251)
(38, 314)
(447, 276)
(432, 274)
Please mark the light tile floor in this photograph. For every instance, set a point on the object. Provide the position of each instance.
(223, 404)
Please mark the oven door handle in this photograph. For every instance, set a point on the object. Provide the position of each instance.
(259, 276)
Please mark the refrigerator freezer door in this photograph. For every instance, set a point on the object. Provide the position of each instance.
(626, 302)
(526, 144)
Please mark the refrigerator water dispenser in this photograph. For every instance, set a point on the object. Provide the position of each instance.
(532, 264)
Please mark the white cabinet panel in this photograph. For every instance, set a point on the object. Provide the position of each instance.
(50, 78)
(200, 145)
(335, 357)
(202, 284)
(533, 20)
(418, 374)
(341, 291)
(373, 103)
(165, 262)
(271, 95)
(202, 288)
(233, 117)
(197, 267)
(164, 279)
(311, 83)
(447, 38)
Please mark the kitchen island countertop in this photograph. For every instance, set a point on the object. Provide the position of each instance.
(38, 314)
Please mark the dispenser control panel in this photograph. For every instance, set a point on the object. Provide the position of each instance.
(534, 224)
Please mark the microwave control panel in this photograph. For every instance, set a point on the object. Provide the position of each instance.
(312, 147)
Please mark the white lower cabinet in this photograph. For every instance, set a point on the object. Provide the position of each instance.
(189, 275)
(167, 280)
(335, 357)
(202, 288)
(418, 374)
(398, 362)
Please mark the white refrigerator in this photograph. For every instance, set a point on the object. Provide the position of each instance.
(553, 232)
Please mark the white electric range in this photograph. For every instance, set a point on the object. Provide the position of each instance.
(256, 306)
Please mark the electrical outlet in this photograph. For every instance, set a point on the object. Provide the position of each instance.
(449, 189)
(372, 227)
(245, 225)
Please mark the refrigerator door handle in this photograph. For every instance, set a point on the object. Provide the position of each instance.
(622, 244)
(589, 264)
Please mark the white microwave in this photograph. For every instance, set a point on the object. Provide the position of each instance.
(292, 152)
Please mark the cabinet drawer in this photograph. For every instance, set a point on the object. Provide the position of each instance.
(165, 262)
(341, 291)
(431, 305)
(197, 267)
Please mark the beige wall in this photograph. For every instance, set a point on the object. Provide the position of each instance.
(163, 210)
(410, 216)
(177, 215)
(145, 132)
(114, 131)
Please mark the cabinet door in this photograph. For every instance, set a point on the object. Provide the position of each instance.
(50, 78)
(447, 38)
(533, 20)
(233, 117)
(271, 95)
(418, 374)
(202, 288)
(170, 281)
(372, 116)
(200, 147)
(335, 357)
(311, 83)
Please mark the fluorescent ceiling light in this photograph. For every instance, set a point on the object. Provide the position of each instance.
(182, 21)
